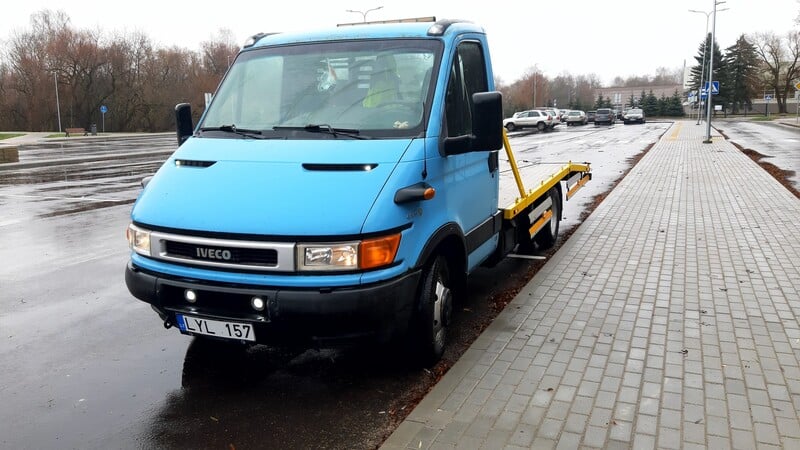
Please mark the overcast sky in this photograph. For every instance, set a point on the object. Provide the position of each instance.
(607, 38)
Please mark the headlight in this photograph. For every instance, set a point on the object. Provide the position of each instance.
(341, 256)
(138, 239)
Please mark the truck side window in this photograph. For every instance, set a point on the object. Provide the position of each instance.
(467, 76)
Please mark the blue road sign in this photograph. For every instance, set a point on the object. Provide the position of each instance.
(767, 97)
(714, 87)
(103, 109)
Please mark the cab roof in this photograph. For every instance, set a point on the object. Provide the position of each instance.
(440, 28)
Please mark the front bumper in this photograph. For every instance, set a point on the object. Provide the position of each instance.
(321, 317)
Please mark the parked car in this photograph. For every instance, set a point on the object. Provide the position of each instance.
(634, 115)
(563, 115)
(556, 115)
(576, 117)
(604, 116)
(590, 116)
(528, 119)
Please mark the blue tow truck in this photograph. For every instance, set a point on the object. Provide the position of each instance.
(341, 186)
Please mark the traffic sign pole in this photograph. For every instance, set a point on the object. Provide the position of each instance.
(103, 111)
(797, 100)
(767, 98)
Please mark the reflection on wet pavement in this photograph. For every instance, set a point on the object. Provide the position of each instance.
(60, 189)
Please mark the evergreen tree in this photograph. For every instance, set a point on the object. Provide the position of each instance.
(662, 105)
(674, 107)
(650, 104)
(719, 74)
(600, 103)
(632, 101)
(741, 62)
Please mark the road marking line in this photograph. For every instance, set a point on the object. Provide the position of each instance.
(674, 135)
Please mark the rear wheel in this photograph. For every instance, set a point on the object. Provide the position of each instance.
(433, 312)
(540, 126)
(547, 237)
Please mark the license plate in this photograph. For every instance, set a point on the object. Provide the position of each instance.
(218, 328)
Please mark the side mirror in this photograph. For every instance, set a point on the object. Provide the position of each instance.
(487, 126)
(183, 122)
(487, 120)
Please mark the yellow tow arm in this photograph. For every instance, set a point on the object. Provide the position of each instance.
(580, 175)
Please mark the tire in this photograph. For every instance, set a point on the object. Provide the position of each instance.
(510, 126)
(540, 126)
(548, 236)
(434, 311)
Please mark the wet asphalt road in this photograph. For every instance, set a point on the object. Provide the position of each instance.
(780, 144)
(85, 365)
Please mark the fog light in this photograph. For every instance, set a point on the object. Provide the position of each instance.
(190, 296)
(257, 303)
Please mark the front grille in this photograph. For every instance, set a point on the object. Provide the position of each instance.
(217, 254)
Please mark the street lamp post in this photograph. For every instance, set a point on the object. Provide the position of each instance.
(364, 13)
(58, 104)
(703, 66)
(711, 74)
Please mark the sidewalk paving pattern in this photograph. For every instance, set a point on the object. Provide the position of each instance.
(669, 319)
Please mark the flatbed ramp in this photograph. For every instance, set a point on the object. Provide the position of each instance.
(521, 186)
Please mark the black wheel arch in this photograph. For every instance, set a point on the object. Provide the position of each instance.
(448, 240)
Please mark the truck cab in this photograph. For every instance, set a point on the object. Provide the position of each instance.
(340, 186)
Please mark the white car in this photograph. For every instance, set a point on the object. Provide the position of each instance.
(576, 117)
(634, 115)
(528, 119)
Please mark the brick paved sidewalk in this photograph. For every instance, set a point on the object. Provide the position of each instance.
(668, 320)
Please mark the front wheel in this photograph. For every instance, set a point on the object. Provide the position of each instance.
(510, 127)
(434, 312)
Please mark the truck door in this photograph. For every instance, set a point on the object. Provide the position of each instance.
(472, 178)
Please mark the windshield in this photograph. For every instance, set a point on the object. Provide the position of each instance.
(373, 88)
(635, 111)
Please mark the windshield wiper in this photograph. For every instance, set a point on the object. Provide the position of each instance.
(256, 134)
(325, 128)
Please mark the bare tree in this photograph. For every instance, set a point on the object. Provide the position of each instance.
(780, 56)
(665, 76)
(33, 73)
(797, 19)
(127, 55)
(219, 53)
(585, 86)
